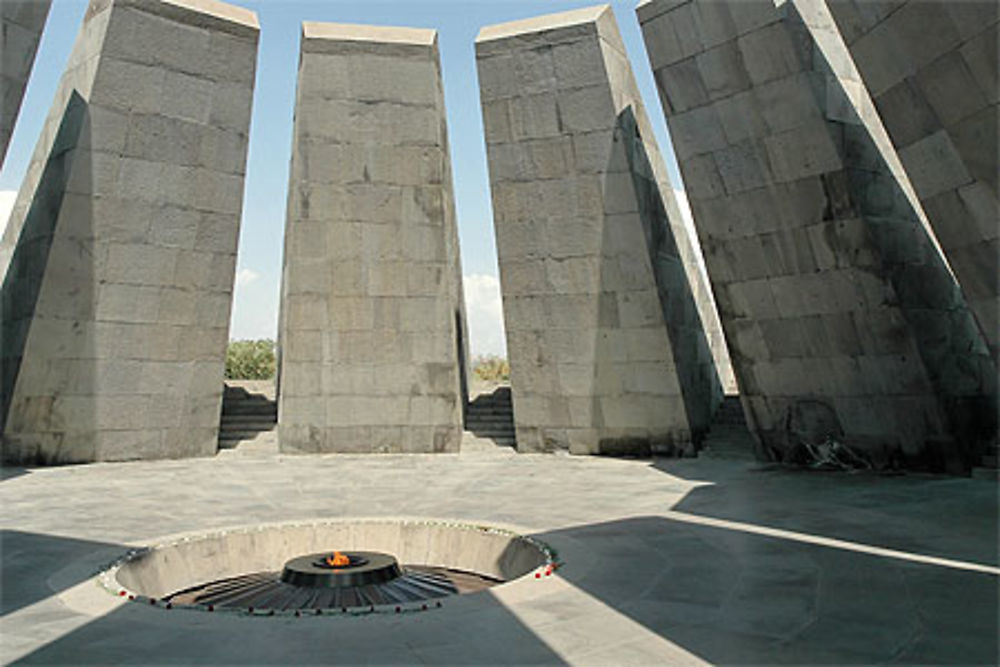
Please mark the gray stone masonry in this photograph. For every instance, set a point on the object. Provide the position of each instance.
(931, 67)
(372, 319)
(21, 23)
(852, 92)
(119, 258)
(841, 317)
(607, 349)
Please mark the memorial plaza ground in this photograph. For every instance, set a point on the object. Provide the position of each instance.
(664, 561)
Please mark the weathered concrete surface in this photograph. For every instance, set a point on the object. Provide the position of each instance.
(119, 257)
(841, 317)
(679, 562)
(607, 349)
(931, 67)
(21, 23)
(372, 319)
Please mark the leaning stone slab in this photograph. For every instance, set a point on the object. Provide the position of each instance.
(119, 258)
(21, 23)
(607, 348)
(841, 315)
(372, 322)
(931, 67)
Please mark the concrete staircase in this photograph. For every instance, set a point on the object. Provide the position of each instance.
(728, 436)
(989, 468)
(491, 417)
(247, 411)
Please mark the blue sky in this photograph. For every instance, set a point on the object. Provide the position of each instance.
(259, 266)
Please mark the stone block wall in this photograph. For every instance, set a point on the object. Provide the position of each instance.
(372, 316)
(119, 257)
(608, 353)
(841, 317)
(21, 23)
(932, 68)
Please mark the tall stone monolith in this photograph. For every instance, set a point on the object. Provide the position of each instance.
(608, 352)
(932, 68)
(842, 318)
(21, 23)
(372, 320)
(119, 258)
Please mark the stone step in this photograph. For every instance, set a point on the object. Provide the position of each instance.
(249, 416)
(989, 474)
(234, 417)
(246, 434)
(490, 405)
(729, 429)
(479, 403)
(254, 427)
(246, 418)
(500, 440)
(479, 419)
(492, 434)
(262, 410)
(728, 441)
(729, 420)
(729, 412)
(491, 416)
(248, 401)
(472, 428)
(509, 414)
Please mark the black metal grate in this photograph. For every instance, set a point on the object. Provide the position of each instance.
(265, 590)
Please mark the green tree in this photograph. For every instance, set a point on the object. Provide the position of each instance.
(491, 369)
(250, 360)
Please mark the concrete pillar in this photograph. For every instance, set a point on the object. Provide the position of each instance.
(841, 316)
(119, 257)
(608, 353)
(931, 67)
(371, 311)
(21, 23)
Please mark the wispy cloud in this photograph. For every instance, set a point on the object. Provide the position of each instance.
(245, 277)
(484, 310)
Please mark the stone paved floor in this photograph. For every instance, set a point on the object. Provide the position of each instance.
(666, 561)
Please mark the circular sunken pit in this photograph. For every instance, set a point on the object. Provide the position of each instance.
(345, 566)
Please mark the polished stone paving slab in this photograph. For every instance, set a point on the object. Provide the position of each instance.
(666, 561)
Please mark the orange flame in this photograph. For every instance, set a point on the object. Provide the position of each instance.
(338, 559)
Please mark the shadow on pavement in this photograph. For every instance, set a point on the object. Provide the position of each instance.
(10, 472)
(732, 597)
(947, 517)
(30, 560)
(704, 576)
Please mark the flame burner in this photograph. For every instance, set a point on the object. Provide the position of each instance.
(363, 568)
